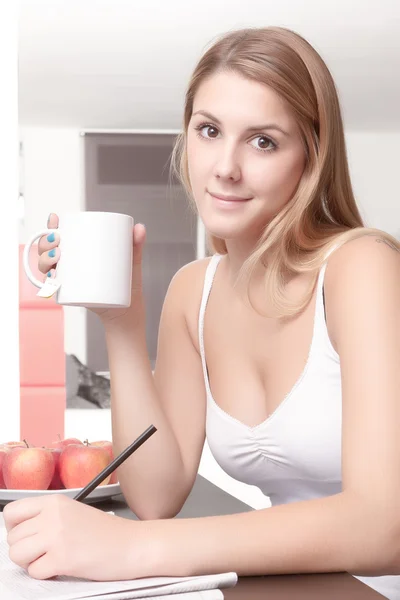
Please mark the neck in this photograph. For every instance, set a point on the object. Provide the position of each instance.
(238, 252)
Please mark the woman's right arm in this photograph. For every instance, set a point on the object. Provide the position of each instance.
(158, 478)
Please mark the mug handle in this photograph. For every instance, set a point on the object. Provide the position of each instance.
(25, 258)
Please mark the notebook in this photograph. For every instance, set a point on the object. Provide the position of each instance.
(16, 584)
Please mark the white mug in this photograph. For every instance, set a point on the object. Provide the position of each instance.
(95, 265)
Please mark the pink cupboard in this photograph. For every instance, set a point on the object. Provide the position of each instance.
(42, 362)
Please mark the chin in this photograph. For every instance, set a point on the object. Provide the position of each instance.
(228, 226)
(226, 231)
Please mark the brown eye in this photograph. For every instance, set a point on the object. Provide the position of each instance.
(264, 142)
(211, 130)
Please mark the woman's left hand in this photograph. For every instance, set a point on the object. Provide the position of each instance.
(55, 535)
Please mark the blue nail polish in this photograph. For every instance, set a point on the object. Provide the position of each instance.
(52, 253)
(49, 274)
(50, 237)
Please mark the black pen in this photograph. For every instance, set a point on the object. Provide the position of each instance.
(115, 463)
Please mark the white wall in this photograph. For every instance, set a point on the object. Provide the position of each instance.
(53, 183)
(9, 287)
(374, 169)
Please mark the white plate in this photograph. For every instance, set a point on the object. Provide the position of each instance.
(102, 492)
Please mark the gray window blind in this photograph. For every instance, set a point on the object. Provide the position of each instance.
(129, 173)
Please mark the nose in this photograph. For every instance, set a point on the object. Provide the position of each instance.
(227, 165)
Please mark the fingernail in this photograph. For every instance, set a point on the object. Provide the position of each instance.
(49, 274)
(52, 253)
(50, 237)
(48, 219)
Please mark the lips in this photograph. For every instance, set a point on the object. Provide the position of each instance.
(227, 198)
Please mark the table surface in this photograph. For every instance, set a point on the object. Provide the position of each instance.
(205, 500)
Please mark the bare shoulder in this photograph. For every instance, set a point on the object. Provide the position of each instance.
(189, 279)
(361, 276)
(192, 270)
(185, 293)
(363, 256)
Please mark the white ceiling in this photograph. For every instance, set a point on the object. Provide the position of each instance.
(125, 64)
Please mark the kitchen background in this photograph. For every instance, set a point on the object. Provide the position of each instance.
(101, 88)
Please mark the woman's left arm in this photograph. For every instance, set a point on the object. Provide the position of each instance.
(357, 530)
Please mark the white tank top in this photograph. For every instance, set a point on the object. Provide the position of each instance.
(295, 454)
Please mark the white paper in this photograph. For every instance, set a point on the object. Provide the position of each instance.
(16, 584)
(200, 595)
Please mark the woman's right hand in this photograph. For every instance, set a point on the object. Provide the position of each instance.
(49, 255)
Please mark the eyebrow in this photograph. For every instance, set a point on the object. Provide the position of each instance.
(254, 128)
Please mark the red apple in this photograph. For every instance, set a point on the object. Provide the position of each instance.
(28, 469)
(64, 443)
(56, 483)
(80, 463)
(4, 450)
(109, 447)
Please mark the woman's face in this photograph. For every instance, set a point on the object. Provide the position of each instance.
(235, 150)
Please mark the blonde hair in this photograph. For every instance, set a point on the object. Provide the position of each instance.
(322, 212)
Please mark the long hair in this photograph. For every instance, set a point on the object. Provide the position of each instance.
(322, 212)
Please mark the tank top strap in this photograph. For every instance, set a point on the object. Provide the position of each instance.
(320, 326)
(208, 281)
(321, 275)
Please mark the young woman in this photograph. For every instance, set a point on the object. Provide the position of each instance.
(288, 362)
